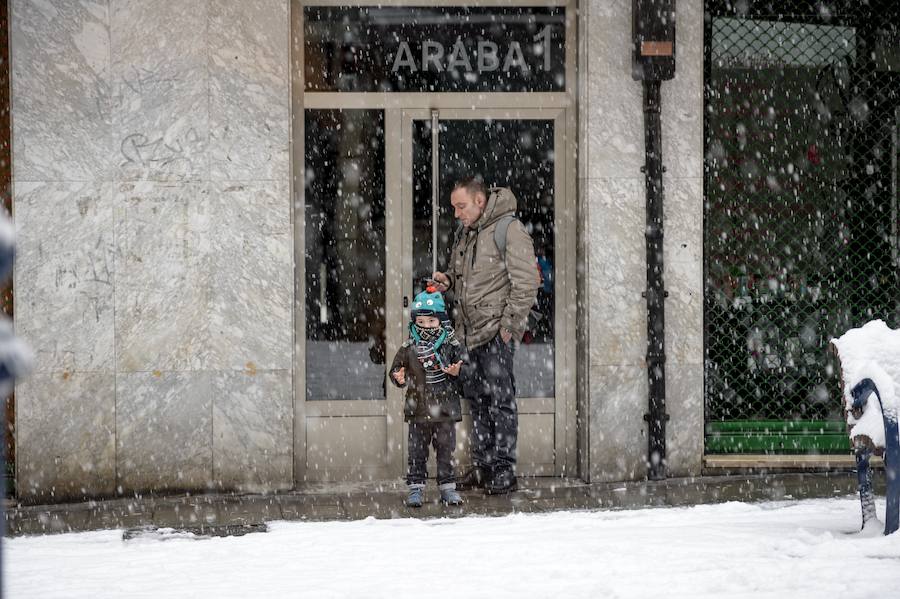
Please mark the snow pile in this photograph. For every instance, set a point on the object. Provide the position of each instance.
(797, 549)
(871, 351)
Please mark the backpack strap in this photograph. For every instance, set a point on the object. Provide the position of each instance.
(500, 233)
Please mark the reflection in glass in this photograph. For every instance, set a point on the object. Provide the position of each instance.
(508, 153)
(345, 241)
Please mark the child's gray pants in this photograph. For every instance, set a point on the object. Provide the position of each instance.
(440, 434)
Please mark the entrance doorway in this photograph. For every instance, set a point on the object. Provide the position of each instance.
(373, 175)
(521, 150)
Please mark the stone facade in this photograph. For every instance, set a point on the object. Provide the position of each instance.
(154, 278)
(612, 186)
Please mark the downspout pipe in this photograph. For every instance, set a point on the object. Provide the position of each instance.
(655, 294)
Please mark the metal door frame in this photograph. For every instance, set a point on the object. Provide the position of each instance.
(559, 106)
(562, 404)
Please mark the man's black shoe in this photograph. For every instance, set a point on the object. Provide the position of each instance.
(503, 483)
(474, 478)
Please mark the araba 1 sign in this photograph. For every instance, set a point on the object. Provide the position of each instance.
(434, 49)
(485, 57)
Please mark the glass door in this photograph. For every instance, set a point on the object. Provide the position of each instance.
(522, 150)
(345, 425)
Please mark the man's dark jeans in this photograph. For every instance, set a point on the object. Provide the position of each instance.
(440, 434)
(490, 387)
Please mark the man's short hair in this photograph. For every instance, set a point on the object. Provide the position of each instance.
(473, 184)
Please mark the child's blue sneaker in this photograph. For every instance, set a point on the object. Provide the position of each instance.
(449, 495)
(416, 496)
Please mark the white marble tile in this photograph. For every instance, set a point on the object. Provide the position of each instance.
(682, 97)
(60, 86)
(615, 119)
(160, 78)
(206, 276)
(683, 219)
(64, 274)
(164, 430)
(684, 312)
(608, 32)
(65, 436)
(615, 128)
(617, 271)
(252, 281)
(164, 270)
(618, 434)
(253, 430)
(249, 90)
(684, 431)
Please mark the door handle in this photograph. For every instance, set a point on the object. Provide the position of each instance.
(405, 302)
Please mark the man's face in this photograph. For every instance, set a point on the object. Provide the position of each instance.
(428, 322)
(466, 207)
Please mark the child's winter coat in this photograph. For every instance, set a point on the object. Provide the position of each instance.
(431, 394)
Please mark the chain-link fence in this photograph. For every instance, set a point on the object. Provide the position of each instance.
(802, 113)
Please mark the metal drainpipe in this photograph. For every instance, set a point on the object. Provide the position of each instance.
(656, 339)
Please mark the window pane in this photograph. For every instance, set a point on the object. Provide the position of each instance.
(423, 49)
(345, 280)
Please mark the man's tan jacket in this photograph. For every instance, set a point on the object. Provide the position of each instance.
(490, 293)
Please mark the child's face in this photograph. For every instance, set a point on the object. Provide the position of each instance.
(428, 322)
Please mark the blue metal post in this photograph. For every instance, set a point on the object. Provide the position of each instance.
(860, 394)
(864, 475)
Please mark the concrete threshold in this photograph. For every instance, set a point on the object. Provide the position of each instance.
(232, 513)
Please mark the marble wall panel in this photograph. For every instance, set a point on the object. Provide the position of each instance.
(683, 216)
(64, 274)
(684, 313)
(684, 431)
(160, 83)
(252, 282)
(614, 136)
(65, 436)
(249, 90)
(253, 430)
(617, 266)
(603, 45)
(164, 426)
(60, 85)
(615, 115)
(682, 97)
(618, 435)
(164, 282)
(615, 126)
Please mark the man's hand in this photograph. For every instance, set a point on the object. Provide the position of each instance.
(441, 281)
(400, 376)
(506, 335)
(453, 369)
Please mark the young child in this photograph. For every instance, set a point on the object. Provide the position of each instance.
(428, 364)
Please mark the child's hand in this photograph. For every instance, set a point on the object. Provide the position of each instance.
(400, 376)
(453, 369)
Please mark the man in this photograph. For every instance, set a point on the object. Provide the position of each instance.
(493, 297)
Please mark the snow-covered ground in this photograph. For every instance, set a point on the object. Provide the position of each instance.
(791, 549)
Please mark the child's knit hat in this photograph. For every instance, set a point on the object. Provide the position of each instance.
(429, 303)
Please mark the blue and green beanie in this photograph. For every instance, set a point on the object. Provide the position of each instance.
(429, 303)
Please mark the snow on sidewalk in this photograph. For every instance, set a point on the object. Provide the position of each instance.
(782, 549)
